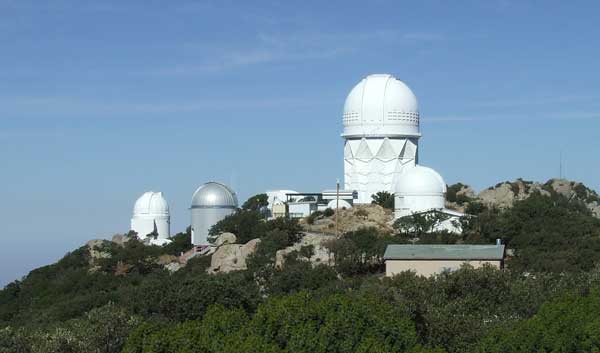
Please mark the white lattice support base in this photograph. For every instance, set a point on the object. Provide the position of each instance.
(373, 164)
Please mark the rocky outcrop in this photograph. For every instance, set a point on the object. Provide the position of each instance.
(458, 196)
(225, 238)
(232, 257)
(120, 239)
(466, 191)
(97, 249)
(320, 254)
(505, 194)
(170, 262)
(575, 190)
(352, 219)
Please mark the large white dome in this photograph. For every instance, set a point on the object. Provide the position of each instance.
(214, 195)
(152, 204)
(420, 181)
(381, 106)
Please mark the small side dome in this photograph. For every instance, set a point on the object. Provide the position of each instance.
(214, 195)
(420, 181)
(342, 204)
(151, 203)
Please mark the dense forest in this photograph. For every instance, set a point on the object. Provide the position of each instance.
(547, 299)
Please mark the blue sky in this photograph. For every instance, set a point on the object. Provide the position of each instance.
(103, 100)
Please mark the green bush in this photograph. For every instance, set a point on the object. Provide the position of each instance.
(383, 199)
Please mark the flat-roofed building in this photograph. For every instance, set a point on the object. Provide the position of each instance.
(427, 260)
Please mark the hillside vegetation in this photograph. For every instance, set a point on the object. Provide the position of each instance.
(121, 297)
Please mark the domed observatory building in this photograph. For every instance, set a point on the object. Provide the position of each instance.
(381, 132)
(421, 190)
(211, 203)
(151, 215)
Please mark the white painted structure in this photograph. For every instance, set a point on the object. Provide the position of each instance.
(151, 214)
(301, 209)
(277, 202)
(341, 204)
(418, 189)
(295, 204)
(421, 189)
(381, 132)
(211, 203)
(330, 197)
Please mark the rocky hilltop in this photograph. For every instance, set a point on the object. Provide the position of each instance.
(505, 194)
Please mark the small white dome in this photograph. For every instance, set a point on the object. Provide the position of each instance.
(214, 195)
(381, 105)
(420, 181)
(151, 203)
(342, 204)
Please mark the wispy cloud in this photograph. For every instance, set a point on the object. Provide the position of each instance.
(538, 116)
(529, 101)
(69, 106)
(272, 48)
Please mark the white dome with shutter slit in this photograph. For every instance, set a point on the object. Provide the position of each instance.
(381, 106)
(151, 216)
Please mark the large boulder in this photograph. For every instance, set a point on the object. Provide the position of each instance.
(320, 255)
(225, 238)
(120, 239)
(232, 257)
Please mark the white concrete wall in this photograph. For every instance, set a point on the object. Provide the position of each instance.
(303, 208)
(429, 267)
(144, 225)
(372, 165)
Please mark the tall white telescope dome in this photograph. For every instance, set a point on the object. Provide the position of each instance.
(380, 105)
(211, 203)
(419, 189)
(381, 133)
(150, 214)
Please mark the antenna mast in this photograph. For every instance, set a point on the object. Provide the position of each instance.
(560, 166)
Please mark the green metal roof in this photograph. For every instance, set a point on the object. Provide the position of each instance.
(444, 252)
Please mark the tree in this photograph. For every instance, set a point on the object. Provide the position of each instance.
(245, 224)
(548, 234)
(101, 330)
(334, 323)
(256, 202)
(568, 324)
(298, 275)
(452, 194)
(419, 224)
(359, 252)
(383, 199)
(248, 225)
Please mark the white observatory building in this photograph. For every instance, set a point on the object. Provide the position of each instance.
(151, 214)
(422, 190)
(381, 132)
(211, 203)
(419, 189)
